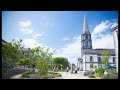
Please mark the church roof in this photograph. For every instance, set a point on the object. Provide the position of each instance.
(24, 49)
(115, 28)
(85, 26)
(98, 51)
(4, 41)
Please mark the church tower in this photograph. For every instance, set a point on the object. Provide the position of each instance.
(86, 42)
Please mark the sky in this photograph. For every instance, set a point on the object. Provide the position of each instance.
(59, 30)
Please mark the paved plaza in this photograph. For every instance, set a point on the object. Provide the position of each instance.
(68, 75)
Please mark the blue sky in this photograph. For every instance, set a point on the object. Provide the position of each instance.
(58, 30)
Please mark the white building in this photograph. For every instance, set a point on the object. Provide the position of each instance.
(115, 38)
(92, 57)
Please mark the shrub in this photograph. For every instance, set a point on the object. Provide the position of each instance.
(113, 73)
(104, 77)
(109, 77)
(25, 75)
(91, 76)
(114, 77)
(91, 72)
(99, 72)
(53, 73)
(85, 73)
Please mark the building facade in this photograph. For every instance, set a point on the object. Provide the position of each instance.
(92, 57)
(115, 39)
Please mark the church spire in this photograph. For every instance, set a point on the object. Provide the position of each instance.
(85, 26)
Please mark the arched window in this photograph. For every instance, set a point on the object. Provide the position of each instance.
(86, 43)
(99, 59)
(91, 58)
(86, 37)
(113, 59)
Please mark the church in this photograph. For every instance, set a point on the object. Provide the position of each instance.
(91, 57)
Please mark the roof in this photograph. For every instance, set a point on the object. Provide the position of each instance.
(85, 26)
(98, 51)
(24, 49)
(115, 28)
(4, 41)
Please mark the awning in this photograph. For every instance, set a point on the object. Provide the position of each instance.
(108, 67)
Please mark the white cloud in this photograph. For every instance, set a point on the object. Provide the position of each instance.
(104, 25)
(66, 39)
(24, 24)
(35, 36)
(70, 51)
(25, 27)
(106, 41)
(31, 43)
(26, 30)
(100, 40)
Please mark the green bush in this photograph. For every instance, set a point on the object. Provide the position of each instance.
(109, 77)
(25, 75)
(91, 76)
(104, 77)
(99, 72)
(53, 73)
(113, 73)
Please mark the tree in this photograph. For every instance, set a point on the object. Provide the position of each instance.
(61, 61)
(42, 67)
(10, 55)
(40, 53)
(105, 57)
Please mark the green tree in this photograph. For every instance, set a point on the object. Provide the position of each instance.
(10, 55)
(61, 61)
(105, 57)
(40, 53)
(42, 67)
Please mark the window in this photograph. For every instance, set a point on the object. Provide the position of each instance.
(113, 59)
(91, 58)
(86, 37)
(91, 65)
(99, 59)
(86, 43)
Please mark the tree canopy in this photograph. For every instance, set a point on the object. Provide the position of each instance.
(105, 57)
(61, 61)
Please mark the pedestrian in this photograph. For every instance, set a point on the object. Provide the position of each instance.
(106, 73)
(67, 69)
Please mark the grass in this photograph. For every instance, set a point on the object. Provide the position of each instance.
(59, 71)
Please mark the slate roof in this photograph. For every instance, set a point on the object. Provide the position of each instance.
(24, 49)
(4, 41)
(98, 51)
(115, 28)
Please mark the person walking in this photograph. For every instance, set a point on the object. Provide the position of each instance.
(67, 69)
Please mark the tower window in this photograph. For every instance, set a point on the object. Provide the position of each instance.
(86, 37)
